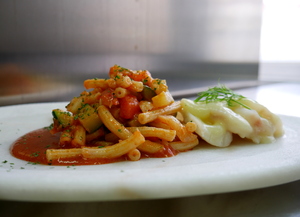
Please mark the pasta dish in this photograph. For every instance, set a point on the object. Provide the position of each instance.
(132, 115)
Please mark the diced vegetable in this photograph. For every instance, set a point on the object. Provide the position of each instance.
(74, 105)
(129, 106)
(89, 119)
(162, 99)
(65, 119)
(148, 93)
(107, 98)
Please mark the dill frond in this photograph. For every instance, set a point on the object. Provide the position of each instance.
(220, 93)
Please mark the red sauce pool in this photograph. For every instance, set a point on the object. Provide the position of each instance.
(32, 148)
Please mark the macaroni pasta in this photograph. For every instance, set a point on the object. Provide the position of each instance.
(129, 114)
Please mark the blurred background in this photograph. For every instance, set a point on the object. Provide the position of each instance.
(48, 47)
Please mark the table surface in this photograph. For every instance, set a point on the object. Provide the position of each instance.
(282, 200)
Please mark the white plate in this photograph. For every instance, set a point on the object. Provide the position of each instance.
(205, 170)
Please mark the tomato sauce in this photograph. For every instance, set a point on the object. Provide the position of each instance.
(32, 147)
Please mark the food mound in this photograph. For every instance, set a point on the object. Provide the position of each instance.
(129, 114)
(133, 115)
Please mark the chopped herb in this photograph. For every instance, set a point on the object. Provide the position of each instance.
(145, 80)
(4, 162)
(218, 94)
(72, 166)
(65, 135)
(50, 127)
(158, 81)
(35, 154)
(33, 163)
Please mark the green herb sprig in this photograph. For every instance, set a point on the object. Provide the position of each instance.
(220, 93)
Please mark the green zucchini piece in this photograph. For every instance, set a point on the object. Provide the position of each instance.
(148, 93)
(64, 118)
(89, 119)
